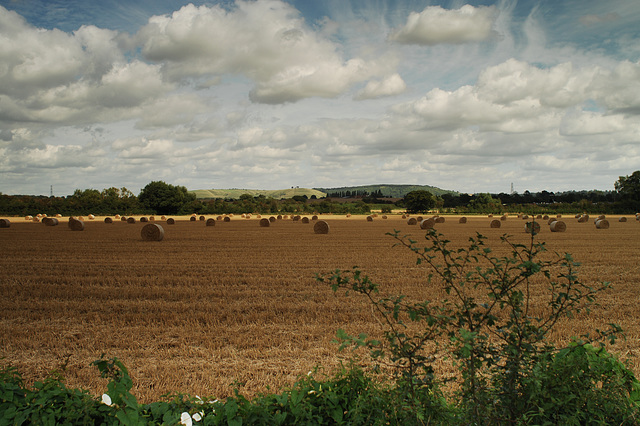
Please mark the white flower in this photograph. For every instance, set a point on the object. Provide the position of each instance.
(185, 419)
(198, 416)
(106, 399)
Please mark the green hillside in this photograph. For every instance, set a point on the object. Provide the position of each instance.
(273, 193)
(393, 191)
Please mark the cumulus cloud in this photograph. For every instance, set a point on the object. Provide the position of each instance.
(390, 86)
(435, 25)
(266, 41)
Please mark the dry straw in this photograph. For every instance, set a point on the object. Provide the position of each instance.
(295, 218)
(152, 218)
(211, 222)
(558, 226)
(532, 227)
(602, 224)
(369, 218)
(202, 218)
(272, 219)
(462, 220)
(5, 223)
(50, 221)
(264, 222)
(305, 220)
(227, 219)
(314, 217)
(192, 219)
(321, 227)
(131, 220)
(123, 219)
(427, 223)
(412, 221)
(144, 219)
(75, 224)
(171, 221)
(495, 223)
(152, 232)
(108, 220)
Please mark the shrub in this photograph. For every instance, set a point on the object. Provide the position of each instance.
(487, 325)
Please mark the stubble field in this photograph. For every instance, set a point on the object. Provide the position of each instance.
(236, 304)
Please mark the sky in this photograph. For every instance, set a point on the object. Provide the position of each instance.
(466, 96)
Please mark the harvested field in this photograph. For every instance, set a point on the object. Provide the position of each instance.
(209, 308)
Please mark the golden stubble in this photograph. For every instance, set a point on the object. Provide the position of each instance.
(235, 304)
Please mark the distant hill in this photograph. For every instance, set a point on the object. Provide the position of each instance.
(274, 193)
(393, 191)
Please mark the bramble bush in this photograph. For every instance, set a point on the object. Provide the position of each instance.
(491, 325)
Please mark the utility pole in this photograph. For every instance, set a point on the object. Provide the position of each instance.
(512, 187)
(51, 191)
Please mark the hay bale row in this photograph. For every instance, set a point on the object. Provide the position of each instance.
(558, 226)
(50, 221)
(5, 223)
(321, 227)
(75, 224)
(152, 232)
(532, 227)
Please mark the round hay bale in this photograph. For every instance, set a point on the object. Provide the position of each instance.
(490, 215)
(584, 218)
(50, 221)
(412, 221)
(545, 217)
(369, 218)
(551, 220)
(314, 217)
(123, 219)
(384, 216)
(503, 217)
(76, 225)
(439, 219)
(462, 220)
(219, 218)
(286, 216)
(152, 219)
(279, 217)
(144, 219)
(28, 218)
(171, 221)
(295, 218)
(36, 219)
(152, 232)
(131, 219)
(600, 217)
(495, 223)
(305, 220)
(192, 219)
(264, 222)
(602, 224)
(419, 219)
(210, 222)
(58, 215)
(91, 217)
(272, 219)
(227, 219)
(202, 218)
(558, 226)
(558, 215)
(532, 227)
(321, 227)
(622, 219)
(108, 220)
(427, 223)
(525, 216)
(348, 214)
(404, 216)
(539, 216)
(5, 223)
(117, 217)
(163, 218)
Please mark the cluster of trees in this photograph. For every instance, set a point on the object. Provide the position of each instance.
(161, 198)
(356, 194)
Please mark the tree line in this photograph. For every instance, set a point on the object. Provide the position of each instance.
(162, 198)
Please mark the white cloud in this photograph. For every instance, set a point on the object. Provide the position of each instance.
(266, 41)
(390, 86)
(435, 25)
